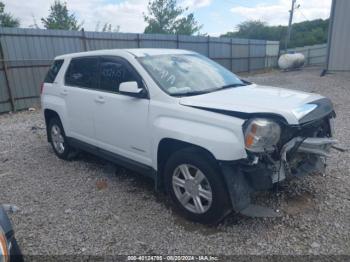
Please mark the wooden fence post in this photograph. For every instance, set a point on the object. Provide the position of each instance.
(83, 37)
(267, 62)
(231, 53)
(248, 55)
(138, 41)
(7, 82)
(208, 46)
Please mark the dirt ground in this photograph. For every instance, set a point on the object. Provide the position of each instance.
(87, 206)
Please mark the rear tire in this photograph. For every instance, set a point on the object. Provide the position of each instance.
(58, 139)
(194, 182)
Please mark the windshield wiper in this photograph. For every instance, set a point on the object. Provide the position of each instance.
(230, 86)
(192, 93)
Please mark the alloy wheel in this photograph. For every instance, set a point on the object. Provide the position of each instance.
(192, 188)
(57, 139)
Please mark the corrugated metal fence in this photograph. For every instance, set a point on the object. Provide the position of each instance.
(26, 54)
(314, 54)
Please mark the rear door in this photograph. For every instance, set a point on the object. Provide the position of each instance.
(79, 92)
(121, 121)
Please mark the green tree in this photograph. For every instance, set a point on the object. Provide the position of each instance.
(166, 17)
(59, 18)
(6, 19)
(304, 33)
(252, 29)
(107, 27)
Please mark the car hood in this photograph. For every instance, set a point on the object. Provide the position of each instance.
(254, 99)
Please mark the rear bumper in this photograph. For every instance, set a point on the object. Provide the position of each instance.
(5, 225)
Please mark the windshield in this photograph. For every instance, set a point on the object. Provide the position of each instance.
(188, 74)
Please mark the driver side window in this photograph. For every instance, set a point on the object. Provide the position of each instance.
(113, 72)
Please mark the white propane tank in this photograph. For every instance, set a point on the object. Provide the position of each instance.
(291, 61)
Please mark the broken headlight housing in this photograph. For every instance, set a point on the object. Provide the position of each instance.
(261, 135)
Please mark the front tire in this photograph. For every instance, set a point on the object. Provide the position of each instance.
(194, 183)
(58, 139)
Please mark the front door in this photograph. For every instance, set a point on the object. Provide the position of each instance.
(121, 121)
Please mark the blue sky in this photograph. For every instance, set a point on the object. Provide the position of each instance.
(217, 16)
(225, 15)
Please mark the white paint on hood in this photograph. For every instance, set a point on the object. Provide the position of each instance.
(254, 99)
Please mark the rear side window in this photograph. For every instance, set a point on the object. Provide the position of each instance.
(82, 72)
(53, 71)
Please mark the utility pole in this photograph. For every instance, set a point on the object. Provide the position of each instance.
(290, 24)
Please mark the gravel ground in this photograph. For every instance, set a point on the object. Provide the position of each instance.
(86, 206)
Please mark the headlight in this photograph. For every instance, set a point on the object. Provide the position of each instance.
(4, 253)
(261, 135)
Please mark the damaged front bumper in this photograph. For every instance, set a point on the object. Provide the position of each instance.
(312, 153)
(298, 157)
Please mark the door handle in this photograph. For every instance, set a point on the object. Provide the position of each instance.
(64, 92)
(100, 100)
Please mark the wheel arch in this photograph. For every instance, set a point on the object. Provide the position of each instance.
(48, 115)
(168, 146)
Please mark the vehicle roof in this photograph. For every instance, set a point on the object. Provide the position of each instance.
(140, 52)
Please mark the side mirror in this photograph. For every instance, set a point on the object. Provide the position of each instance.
(132, 89)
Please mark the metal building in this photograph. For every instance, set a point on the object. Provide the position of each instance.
(338, 57)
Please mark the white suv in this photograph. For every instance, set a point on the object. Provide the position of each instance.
(204, 135)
